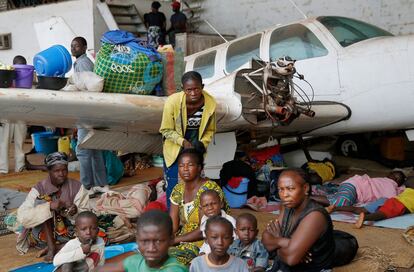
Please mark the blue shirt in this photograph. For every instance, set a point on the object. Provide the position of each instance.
(255, 251)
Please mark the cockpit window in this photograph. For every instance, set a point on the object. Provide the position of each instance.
(349, 31)
(242, 51)
(295, 41)
(204, 64)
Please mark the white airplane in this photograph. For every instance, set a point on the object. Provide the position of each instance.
(362, 80)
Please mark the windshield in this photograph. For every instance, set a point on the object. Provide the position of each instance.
(349, 31)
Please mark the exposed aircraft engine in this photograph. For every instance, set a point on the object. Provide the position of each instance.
(271, 93)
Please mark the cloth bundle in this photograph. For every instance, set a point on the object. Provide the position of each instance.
(127, 65)
(130, 205)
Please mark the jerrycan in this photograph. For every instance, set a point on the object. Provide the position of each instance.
(64, 144)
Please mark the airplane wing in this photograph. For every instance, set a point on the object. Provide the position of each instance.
(131, 122)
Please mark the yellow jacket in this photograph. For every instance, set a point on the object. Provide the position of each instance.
(174, 124)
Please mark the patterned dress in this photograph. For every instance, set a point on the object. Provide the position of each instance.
(190, 220)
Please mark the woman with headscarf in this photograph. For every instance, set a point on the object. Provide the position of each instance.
(188, 121)
(48, 212)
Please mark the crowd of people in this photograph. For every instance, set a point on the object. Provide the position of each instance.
(198, 232)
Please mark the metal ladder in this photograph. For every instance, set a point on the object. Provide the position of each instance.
(193, 10)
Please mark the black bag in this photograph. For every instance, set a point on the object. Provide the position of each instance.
(346, 247)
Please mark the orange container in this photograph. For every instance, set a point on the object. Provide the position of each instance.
(393, 148)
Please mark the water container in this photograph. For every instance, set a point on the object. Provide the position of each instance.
(236, 197)
(24, 76)
(54, 61)
(45, 142)
(64, 145)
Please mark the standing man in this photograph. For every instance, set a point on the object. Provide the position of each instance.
(155, 22)
(16, 131)
(92, 164)
(188, 121)
(178, 22)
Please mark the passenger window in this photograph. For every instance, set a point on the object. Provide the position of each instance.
(295, 41)
(204, 64)
(242, 51)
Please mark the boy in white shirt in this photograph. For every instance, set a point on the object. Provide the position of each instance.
(211, 205)
(85, 252)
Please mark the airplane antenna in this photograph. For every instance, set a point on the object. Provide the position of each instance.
(298, 9)
(215, 30)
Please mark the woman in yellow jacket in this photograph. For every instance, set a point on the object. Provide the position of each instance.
(188, 119)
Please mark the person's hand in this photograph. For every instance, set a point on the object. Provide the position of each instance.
(86, 248)
(56, 205)
(307, 258)
(274, 228)
(72, 210)
(187, 144)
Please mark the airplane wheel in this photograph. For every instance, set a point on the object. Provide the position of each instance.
(352, 146)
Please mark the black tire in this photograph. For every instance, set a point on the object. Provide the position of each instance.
(355, 146)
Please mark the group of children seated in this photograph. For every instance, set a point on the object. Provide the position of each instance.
(230, 245)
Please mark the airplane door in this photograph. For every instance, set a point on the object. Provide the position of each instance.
(315, 60)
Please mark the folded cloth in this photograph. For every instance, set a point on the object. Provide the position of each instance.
(234, 182)
(130, 205)
(392, 208)
(407, 198)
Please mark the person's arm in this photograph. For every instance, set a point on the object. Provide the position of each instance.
(321, 200)
(31, 215)
(262, 258)
(292, 251)
(71, 252)
(167, 128)
(111, 267)
(174, 214)
(210, 131)
(192, 236)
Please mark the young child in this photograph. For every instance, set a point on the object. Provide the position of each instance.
(211, 205)
(219, 235)
(393, 207)
(247, 246)
(154, 237)
(85, 252)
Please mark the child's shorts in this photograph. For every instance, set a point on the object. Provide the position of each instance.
(392, 208)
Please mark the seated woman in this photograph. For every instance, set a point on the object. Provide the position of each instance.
(50, 207)
(302, 237)
(185, 208)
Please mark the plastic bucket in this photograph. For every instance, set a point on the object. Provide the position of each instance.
(55, 61)
(24, 76)
(236, 197)
(45, 142)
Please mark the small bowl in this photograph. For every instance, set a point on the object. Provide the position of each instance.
(51, 83)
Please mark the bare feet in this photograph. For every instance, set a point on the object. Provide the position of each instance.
(42, 252)
(49, 254)
(360, 221)
(330, 209)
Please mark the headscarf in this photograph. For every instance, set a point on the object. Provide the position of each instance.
(56, 158)
(175, 5)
